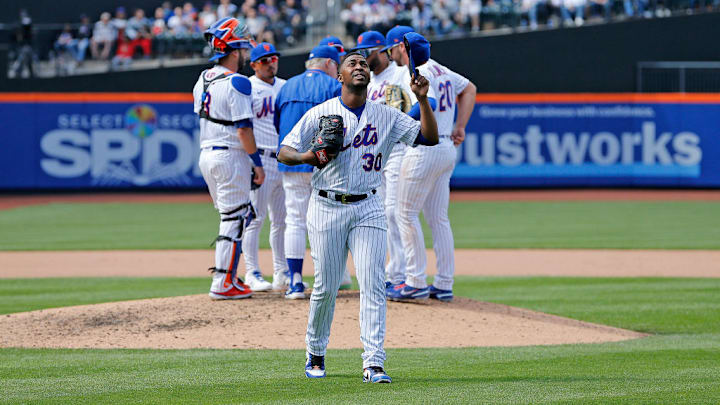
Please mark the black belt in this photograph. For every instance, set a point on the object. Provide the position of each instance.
(218, 147)
(345, 198)
(272, 154)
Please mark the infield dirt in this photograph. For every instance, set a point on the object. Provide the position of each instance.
(269, 321)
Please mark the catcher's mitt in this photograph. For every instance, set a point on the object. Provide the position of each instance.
(398, 98)
(329, 139)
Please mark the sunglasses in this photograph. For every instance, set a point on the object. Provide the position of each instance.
(368, 51)
(268, 60)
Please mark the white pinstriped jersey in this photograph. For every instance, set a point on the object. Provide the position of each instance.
(446, 85)
(263, 100)
(395, 75)
(368, 141)
(227, 103)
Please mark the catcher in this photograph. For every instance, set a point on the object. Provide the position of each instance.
(345, 212)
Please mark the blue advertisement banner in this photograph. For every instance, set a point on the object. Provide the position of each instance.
(87, 145)
(126, 144)
(590, 145)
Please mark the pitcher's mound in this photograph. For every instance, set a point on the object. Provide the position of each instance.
(271, 322)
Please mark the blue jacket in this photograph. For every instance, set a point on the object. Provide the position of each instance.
(299, 94)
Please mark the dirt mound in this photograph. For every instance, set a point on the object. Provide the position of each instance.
(272, 322)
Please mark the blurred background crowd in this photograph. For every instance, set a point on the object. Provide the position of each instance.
(173, 30)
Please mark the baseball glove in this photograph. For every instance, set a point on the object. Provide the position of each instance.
(329, 139)
(398, 98)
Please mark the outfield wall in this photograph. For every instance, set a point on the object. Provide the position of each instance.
(133, 140)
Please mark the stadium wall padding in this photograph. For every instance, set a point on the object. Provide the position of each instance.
(66, 141)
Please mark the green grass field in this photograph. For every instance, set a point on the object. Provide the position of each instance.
(591, 225)
(679, 363)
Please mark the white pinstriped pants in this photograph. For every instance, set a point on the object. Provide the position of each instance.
(269, 198)
(395, 268)
(425, 185)
(227, 174)
(297, 195)
(334, 228)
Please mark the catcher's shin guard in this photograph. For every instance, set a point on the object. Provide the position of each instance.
(228, 246)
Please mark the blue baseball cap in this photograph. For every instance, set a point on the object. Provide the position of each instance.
(395, 36)
(334, 42)
(262, 50)
(419, 49)
(325, 51)
(369, 39)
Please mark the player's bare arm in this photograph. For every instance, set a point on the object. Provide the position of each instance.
(247, 138)
(428, 126)
(292, 157)
(465, 105)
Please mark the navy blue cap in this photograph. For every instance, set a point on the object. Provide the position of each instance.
(325, 51)
(419, 49)
(395, 36)
(369, 39)
(334, 42)
(262, 50)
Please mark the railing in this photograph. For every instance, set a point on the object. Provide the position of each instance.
(678, 77)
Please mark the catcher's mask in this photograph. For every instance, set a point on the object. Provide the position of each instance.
(226, 35)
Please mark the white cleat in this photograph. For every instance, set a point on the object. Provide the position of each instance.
(280, 281)
(256, 282)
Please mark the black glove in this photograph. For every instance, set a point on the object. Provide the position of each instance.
(328, 141)
(253, 185)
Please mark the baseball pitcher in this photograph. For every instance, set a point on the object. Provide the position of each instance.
(345, 212)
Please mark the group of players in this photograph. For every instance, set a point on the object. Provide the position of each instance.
(365, 197)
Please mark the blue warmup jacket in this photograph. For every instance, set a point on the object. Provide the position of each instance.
(299, 94)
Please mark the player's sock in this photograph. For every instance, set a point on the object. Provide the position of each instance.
(295, 266)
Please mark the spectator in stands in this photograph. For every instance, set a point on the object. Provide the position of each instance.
(65, 43)
(443, 10)
(207, 16)
(104, 35)
(293, 22)
(84, 32)
(167, 11)
(381, 16)
(469, 10)
(226, 9)
(176, 24)
(256, 24)
(421, 16)
(120, 20)
(159, 27)
(601, 8)
(354, 18)
(573, 12)
(123, 54)
(138, 32)
(24, 53)
(190, 19)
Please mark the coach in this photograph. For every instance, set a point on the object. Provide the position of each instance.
(302, 92)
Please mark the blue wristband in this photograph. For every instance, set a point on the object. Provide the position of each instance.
(256, 159)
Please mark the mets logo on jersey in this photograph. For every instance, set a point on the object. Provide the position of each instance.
(267, 107)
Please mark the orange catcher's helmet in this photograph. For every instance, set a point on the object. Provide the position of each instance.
(226, 35)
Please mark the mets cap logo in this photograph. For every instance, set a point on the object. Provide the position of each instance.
(267, 47)
(360, 38)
